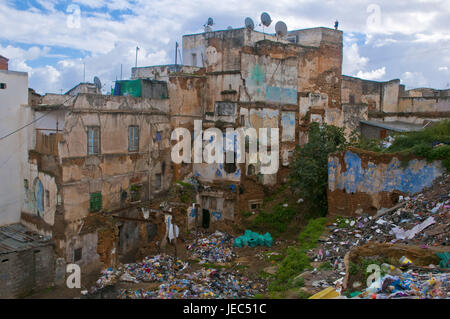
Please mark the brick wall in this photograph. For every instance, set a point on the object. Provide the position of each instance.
(22, 272)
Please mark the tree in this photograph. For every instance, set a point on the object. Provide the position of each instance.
(309, 172)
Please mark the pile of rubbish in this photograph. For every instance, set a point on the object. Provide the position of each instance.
(215, 248)
(409, 284)
(423, 219)
(204, 284)
(252, 239)
(158, 268)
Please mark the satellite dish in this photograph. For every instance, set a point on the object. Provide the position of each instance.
(249, 23)
(281, 29)
(265, 19)
(97, 83)
(210, 21)
(230, 27)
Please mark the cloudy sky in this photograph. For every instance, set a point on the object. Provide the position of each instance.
(51, 40)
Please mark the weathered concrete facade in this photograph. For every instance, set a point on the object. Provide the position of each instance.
(243, 78)
(361, 181)
(95, 157)
(389, 102)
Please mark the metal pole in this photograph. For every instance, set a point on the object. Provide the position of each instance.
(121, 72)
(137, 49)
(176, 52)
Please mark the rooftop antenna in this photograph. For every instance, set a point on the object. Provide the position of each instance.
(265, 21)
(249, 24)
(84, 72)
(176, 52)
(281, 29)
(98, 84)
(229, 27)
(137, 49)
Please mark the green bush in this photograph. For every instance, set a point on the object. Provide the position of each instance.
(309, 170)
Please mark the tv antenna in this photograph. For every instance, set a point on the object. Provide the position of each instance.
(281, 29)
(249, 24)
(265, 21)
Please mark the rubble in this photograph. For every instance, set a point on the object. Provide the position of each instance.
(213, 248)
(421, 220)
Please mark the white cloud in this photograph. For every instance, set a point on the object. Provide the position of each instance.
(372, 75)
(353, 61)
(443, 68)
(414, 79)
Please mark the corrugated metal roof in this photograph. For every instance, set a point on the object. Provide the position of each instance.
(396, 126)
(17, 237)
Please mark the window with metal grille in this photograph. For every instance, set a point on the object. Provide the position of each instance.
(133, 138)
(93, 140)
(95, 202)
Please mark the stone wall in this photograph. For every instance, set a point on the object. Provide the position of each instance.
(363, 182)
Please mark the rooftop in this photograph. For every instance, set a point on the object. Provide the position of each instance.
(396, 126)
(16, 237)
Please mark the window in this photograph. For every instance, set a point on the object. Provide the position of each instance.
(242, 119)
(251, 170)
(133, 138)
(230, 167)
(194, 59)
(158, 136)
(93, 138)
(2, 86)
(135, 193)
(352, 99)
(95, 202)
(158, 181)
(47, 198)
(77, 254)
(25, 183)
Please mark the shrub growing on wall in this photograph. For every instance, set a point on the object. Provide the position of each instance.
(309, 173)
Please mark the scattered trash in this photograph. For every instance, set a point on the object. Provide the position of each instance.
(327, 293)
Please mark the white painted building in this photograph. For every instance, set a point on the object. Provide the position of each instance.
(14, 114)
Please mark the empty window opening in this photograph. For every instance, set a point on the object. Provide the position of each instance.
(230, 167)
(251, 169)
(158, 181)
(2, 86)
(194, 59)
(77, 254)
(47, 198)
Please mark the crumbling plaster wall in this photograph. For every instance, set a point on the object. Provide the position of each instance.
(361, 181)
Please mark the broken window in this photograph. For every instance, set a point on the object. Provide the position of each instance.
(93, 140)
(251, 169)
(135, 193)
(133, 138)
(47, 198)
(230, 167)
(158, 181)
(95, 202)
(225, 108)
(77, 254)
(352, 99)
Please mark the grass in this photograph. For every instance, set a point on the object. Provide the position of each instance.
(296, 260)
(246, 214)
(276, 221)
(432, 143)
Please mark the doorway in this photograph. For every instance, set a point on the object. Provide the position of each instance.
(206, 217)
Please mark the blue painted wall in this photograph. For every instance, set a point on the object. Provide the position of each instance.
(381, 177)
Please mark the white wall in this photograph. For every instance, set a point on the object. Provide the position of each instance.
(13, 149)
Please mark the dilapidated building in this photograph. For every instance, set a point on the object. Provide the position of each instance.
(94, 159)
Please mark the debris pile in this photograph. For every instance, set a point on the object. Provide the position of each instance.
(215, 248)
(422, 220)
(207, 283)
